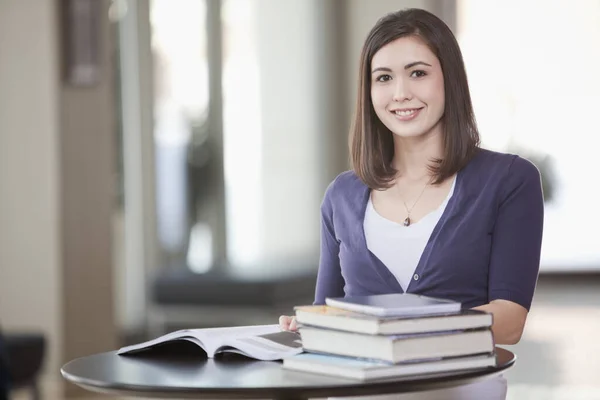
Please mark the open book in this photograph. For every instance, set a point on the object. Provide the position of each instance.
(262, 342)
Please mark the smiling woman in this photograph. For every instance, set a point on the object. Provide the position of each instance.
(407, 89)
(414, 67)
(424, 209)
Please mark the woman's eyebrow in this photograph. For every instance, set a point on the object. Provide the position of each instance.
(385, 69)
(412, 64)
(407, 66)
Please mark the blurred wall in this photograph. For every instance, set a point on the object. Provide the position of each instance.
(56, 187)
(292, 130)
(30, 224)
(87, 154)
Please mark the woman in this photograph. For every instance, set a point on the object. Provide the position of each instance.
(425, 209)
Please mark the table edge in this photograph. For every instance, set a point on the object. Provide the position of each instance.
(354, 387)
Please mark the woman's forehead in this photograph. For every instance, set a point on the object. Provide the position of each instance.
(402, 52)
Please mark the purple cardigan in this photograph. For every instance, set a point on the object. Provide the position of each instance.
(486, 245)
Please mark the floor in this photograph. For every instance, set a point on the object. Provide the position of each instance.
(559, 354)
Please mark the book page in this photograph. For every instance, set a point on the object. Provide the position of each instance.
(268, 347)
(233, 332)
(215, 338)
(184, 334)
(263, 342)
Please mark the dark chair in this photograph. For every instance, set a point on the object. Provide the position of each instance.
(3, 370)
(24, 356)
(223, 298)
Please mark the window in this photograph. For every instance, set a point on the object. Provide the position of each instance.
(532, 70)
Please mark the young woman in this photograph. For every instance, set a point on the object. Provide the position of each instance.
(425, 209)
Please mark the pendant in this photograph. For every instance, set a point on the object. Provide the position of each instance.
(407, 221)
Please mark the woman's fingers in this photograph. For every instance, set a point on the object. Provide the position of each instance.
(287, 323)
(284, 322)
(293, 324)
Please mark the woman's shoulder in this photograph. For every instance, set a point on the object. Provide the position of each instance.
(346, 180)
(500, 165)
(496, 175)
(345, 186)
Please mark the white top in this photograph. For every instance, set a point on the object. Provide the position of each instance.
(400, 247)
(397, 246)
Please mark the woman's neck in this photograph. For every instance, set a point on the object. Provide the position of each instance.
(412, 156)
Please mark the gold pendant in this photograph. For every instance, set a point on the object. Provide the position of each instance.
(407, 221)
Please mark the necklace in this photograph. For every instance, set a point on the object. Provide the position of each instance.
(409, 210)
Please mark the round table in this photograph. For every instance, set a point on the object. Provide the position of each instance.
(192, 375)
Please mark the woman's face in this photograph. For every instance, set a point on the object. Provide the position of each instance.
(407, 88)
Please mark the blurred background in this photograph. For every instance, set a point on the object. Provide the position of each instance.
(162, 163)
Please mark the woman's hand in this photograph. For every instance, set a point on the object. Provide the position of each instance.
(287, 323)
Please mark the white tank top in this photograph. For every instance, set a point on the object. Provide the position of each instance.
(397, 246)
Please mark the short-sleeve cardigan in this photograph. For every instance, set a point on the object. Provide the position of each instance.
(485, 246)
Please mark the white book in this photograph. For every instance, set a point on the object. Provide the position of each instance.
(365, 370)
(261, 342)
(397, 348)
(350, 321)
(395, 304)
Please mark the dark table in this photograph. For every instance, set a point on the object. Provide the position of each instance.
(190, 374)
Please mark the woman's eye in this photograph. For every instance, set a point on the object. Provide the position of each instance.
(383, 78)
(418, 74)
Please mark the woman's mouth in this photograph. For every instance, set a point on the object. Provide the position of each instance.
(406, 114)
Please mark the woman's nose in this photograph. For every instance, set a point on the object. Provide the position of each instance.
(401, 91)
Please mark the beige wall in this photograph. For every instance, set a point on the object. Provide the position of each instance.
(56, 189)
(88, 190)
(30, 240)
(290, 129)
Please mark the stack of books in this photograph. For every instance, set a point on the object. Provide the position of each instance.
(390, 336)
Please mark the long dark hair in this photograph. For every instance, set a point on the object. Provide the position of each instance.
(371, 142)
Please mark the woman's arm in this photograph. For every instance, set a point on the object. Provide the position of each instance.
(515, 252)
(509, 320)
(330, 282)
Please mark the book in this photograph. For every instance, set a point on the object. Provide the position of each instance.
(365, 370)
(397, 348)
(261, 342)
(394, 304)
(336, 318)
